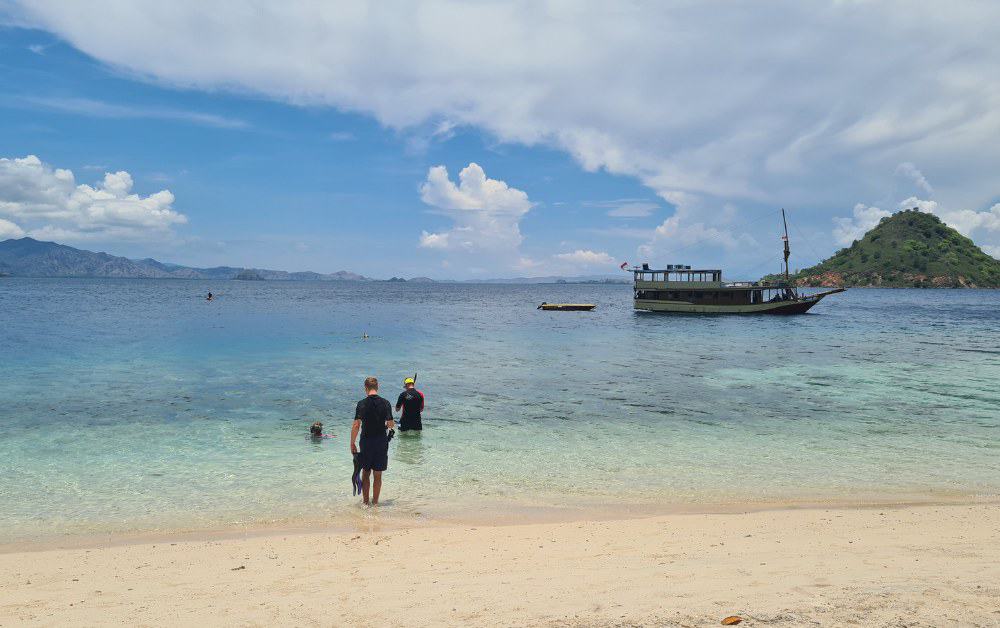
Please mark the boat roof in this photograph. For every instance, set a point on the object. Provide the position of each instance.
(675, 268)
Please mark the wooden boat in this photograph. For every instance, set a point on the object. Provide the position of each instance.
(682, 289)
(566, 307)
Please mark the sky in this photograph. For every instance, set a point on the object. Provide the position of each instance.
(494, 139)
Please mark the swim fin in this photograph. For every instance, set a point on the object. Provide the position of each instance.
(356, 476)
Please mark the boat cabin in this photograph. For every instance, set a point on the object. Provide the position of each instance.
(704, 286)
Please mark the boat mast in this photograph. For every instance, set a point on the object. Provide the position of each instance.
(785, 221)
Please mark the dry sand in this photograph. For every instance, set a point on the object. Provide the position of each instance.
(907, 566)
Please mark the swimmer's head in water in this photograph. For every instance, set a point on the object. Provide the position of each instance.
(316, 429)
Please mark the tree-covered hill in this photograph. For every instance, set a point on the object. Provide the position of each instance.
(908, 249)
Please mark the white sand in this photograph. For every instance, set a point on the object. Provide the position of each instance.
(912, 566)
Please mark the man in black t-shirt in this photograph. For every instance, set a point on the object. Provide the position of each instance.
(372, 417)
(411, 401)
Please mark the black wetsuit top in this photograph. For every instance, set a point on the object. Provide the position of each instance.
(373, 412)
(411, 401)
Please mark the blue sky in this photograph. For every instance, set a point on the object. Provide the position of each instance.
(318, 144)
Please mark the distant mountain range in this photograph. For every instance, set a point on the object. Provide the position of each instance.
(27, 257)
(559, 279)
(908, 249)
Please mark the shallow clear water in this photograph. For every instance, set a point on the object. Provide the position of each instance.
(133, 405)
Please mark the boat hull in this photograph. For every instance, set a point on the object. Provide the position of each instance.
(566, 307)
(799, 306)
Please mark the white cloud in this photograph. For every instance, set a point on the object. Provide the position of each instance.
(47, 203)
(10, 230)
(865, 218)
(342, 136)
(101, 109)
(486, 213)
(968, 221)
(695, 224)
(586, 258)
(629, 208)
(983, 224)
(676, 230)
(764, 104)
(910, 171)
(434, 240)
(525, 263)
(928, 207)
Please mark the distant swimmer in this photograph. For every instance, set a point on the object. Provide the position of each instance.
(316, 431)
(209, 297)
(411, 401)
(373, 419)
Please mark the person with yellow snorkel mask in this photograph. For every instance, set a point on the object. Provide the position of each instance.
(411, 401)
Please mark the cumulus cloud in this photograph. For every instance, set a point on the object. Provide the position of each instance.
(434, 240)
(47, 203)
(968, 222)
(687, 228)
(981, 226)
(10, 230)
(865, 218)
(676, 231)
(586, 258)
(486, 213)
(764, 104)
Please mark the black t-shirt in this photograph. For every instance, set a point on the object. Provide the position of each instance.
(373, 412)
(411, 401)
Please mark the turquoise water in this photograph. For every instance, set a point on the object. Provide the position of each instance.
(132, 405)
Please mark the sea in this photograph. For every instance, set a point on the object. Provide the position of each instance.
(131, 407)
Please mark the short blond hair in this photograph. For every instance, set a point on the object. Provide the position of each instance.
(371, 383)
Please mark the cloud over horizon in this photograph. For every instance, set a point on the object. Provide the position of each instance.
(486, 213)
(47, 203)
(586, 258)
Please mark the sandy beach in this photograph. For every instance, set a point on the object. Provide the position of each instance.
(903, 566)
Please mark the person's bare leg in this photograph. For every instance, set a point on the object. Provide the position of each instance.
(364, 485)
(377, 487)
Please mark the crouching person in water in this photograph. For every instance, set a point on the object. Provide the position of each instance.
(372, 417)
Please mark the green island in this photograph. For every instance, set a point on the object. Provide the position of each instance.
(910, 249)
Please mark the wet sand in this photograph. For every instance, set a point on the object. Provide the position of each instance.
(911, 565)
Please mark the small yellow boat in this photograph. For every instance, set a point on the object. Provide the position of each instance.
(567, 307)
